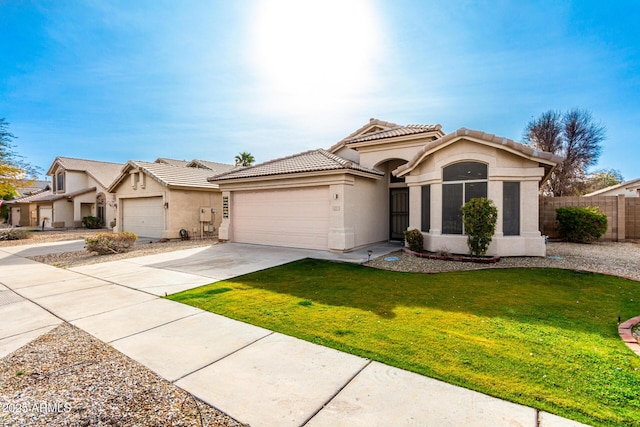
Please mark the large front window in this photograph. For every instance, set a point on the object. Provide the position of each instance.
(461, 182)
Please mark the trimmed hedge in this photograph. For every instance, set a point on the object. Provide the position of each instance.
(110, 243)
(92, 222)
(414, 239)
(581, 225)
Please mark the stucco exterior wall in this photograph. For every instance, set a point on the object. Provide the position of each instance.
(63, 212)
(184, 213)
(183, 207)
(502, 166)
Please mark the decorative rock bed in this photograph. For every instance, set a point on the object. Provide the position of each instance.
(457, 258)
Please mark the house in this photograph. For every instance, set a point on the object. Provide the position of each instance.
(628, 189)
(160, 199)
(25, 209)
(382, 180)
(79, 189)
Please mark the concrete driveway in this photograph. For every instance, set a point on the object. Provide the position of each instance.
(172, 272)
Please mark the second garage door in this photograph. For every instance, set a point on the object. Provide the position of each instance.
(292, 218)
(143, 217)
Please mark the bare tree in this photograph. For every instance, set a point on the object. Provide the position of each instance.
(572, 135)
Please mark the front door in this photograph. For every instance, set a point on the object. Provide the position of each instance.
(399, 212)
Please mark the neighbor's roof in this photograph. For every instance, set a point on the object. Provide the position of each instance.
(309, 161)
(103, 172)
(32, 187)
(172, 162)
(50, 196)
(627, 185)
(543, 157)
(215, 167)
(167, 175)
(42, 194)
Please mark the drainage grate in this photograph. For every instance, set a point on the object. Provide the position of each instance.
(9, 297)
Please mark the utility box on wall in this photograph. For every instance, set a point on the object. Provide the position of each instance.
(205, 215)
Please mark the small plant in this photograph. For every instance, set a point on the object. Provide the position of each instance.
(414, 239)
(581, 225)
(305, 303)
(92, 222)
(110, 243)
(479, 217)
(443, 251)
(14, 234)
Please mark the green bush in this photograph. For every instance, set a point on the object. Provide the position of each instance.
(110, 243)
(92, 222)
(581, 225)
(14, 234)
(414, 239)
(479, 217)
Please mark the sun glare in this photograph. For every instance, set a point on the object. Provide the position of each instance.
(310, 55)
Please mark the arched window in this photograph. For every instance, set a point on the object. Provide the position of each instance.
(461, 182)
(60, 181)
(100, 206)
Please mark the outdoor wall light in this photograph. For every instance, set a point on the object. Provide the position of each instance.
(335, 196)
(166, 205)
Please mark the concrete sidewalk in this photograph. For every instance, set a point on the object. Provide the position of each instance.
(253, 374)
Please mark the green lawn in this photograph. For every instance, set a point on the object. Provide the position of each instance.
(545, 338)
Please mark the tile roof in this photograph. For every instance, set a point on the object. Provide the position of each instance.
(394, 132)
(42, 195)
(545, 157)
(168, 175)
(32, 187)
(213, 166)
(50, 196)
(103, 172)
(308, 161)
(172, 162)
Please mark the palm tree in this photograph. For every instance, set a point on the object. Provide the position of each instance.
(244, 159)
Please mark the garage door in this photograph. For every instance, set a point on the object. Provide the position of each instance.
(45, 215)
(292, 218)
(143, 217)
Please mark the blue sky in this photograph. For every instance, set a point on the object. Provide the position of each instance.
(121, 80)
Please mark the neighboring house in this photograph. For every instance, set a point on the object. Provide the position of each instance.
(159, 199)
(628, 189)
(382, 180)
(28, 208)
(79, 189)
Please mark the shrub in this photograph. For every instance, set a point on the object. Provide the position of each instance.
(479, 217)
(110, 243)
(414, 239)
(14, 234)
(581, 225)
(92, 222)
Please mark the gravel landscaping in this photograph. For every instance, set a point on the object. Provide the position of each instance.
(618, 259)
(69, 378)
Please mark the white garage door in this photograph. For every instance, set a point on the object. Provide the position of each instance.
(292, 218)
(143, 216)
(45, 215)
